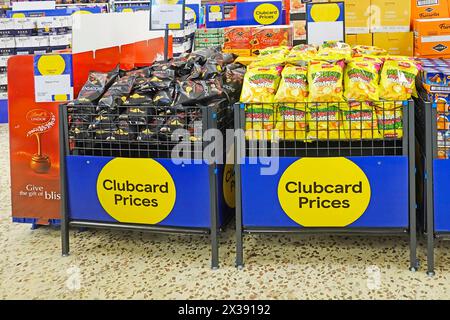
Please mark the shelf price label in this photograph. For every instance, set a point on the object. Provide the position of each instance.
(167, 14)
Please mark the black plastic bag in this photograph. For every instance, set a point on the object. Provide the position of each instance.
(96, 85)
(192, 92)
(117, 94)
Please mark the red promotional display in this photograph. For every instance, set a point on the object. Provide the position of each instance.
(34, 148)
(34, 135)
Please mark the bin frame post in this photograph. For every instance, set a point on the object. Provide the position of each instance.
(63, 147)
(430, 154)
(210, 122)
(239, 118)
(414, 264)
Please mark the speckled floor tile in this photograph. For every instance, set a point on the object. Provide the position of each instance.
(129, 265)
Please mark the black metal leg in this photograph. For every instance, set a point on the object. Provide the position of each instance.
(237, 168)
(412, 191)
(430, 137)
(63, 186)
(214, 222)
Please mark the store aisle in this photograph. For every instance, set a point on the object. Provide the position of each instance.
(107, 264)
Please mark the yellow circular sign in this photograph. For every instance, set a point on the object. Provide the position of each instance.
(51, 65)
(18, 15)
(266, 13)
(81, 12)
(324, 192)
(193, 12)
(327, 12)
(136, 190)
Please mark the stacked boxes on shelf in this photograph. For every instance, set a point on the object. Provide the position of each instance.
(436, 81)
(31, 35)
(382, 23)
(211, 37)
(183, 40)
(248, 40)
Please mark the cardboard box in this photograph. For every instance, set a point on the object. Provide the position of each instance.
(363, 39)
(429, 9)
(390, 16)
(271, 36)
(239, 52)
(395, 43)
(432, 37)
(238, 37)
(357, 16)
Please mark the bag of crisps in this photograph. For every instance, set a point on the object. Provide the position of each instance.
(325, 81)
(334, 51)
(260, 85)
(390, 119)
(398, 80)
(361, 81)
(324, 122)
(304, 51)
(284, 50)
(291, 121)
(259, 121)
(369, 50)
(294, 85)
(360, 121)
(270, 60)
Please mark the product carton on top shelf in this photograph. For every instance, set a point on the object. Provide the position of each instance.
(429, 9)
(363, 39)
(390, 15)
(432, 38)
(395, 43)
(357, 16)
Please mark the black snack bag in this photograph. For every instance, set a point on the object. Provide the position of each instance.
(164, 97)
(211, 69)
(104, 134)
(117, 94)
(147, 134)
(166, 74)
(137, 116)
(137, 99)
(102, 122)
(196, 73)
(95, 86)
(192, 92)
(140, 73)
(232, 81)
(79, 133)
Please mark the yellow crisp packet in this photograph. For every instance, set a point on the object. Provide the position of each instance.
(398, 80)
(259, 121)
(360, 121)
(369, 50)
(390, 119)
(306, 51)
(260, 85)
(291, 121)
(274, 50)
(325, 81)
(294, 85)
(361, 81)
(334, 50)
(275, 59)
(324, 122)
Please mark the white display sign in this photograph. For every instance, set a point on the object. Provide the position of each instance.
(164, 16)
(33, 5)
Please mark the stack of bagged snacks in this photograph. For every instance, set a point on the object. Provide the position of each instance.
(150, 103)
(332, 92)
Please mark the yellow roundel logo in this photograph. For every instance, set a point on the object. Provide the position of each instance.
(128, 10)
(81, 12)
(18, 15)
(266, 13)
(193, 12)
(324, 192)
(51, 65)
(136, 190)
(327, 12)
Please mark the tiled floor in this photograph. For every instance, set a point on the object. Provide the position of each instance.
(115, 265)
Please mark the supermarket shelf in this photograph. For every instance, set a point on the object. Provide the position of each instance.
(138, 227)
